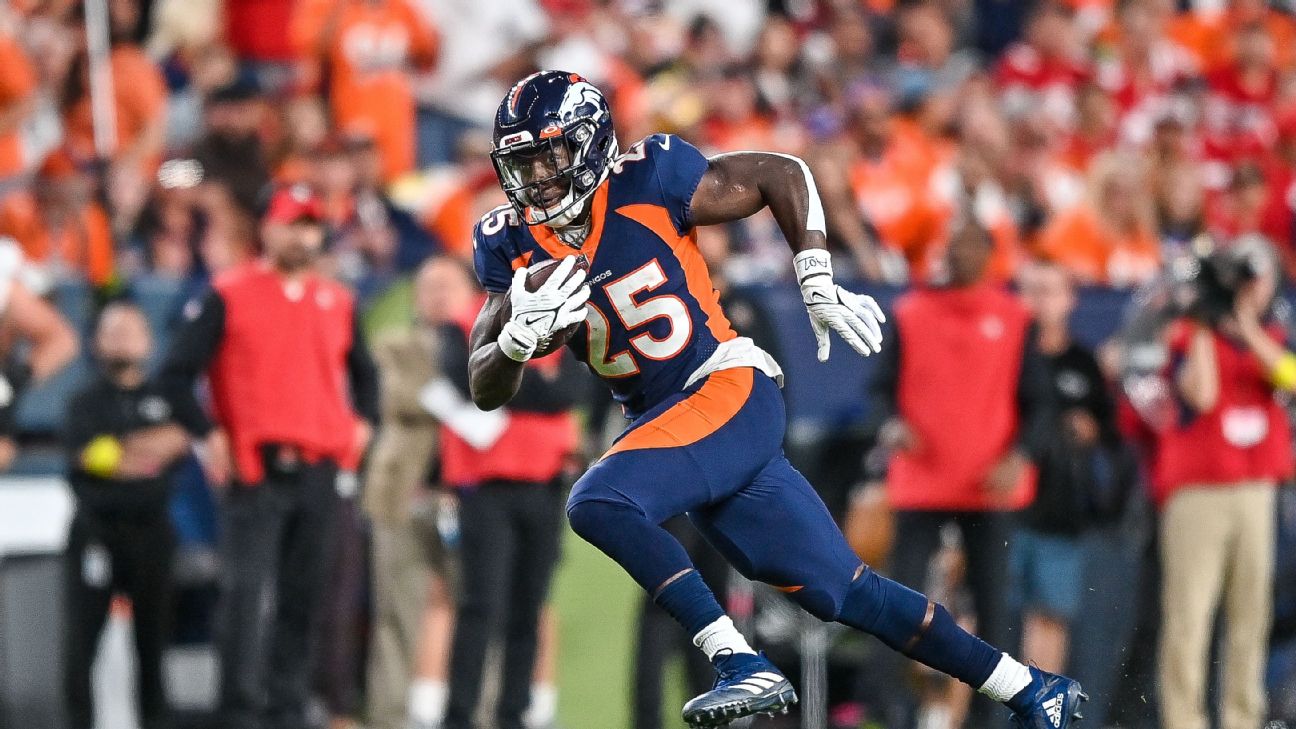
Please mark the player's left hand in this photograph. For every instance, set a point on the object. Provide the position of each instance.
(856, 318)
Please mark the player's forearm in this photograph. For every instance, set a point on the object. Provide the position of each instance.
(493, 378)
(793, 198)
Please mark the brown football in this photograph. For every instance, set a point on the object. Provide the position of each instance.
(536, 277)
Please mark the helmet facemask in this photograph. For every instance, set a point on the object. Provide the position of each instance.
(549, 180)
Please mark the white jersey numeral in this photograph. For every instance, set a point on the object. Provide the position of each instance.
(495, 220)
(635, 153)
(619, 365)
(633, 314)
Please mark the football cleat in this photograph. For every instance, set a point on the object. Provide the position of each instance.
(746, 684)
(1051, 702)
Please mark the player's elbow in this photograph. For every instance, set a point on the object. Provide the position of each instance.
(485, 397)
(488, 404)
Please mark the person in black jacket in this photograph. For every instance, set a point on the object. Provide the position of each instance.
(1084, 475)
(510, 523)
(122, 444)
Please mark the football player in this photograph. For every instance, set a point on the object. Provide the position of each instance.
(707, 416)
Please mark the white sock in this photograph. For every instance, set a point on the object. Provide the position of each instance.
(427, 700)
(544, 706)
(721, 635)
(1007, 680)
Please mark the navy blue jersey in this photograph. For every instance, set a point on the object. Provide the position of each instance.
(653, 316)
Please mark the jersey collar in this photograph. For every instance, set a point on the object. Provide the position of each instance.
(549, 241)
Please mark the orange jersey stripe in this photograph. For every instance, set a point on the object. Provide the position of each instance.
(522, 261)
(696, 276)
(696, 416)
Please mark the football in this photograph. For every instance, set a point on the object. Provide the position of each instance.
(536, 277)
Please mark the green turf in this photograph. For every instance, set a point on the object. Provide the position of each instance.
(597, 605)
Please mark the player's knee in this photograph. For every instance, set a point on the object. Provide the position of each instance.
(823, 603)
(583, 517)
(595, 520)
(827, 598)
(842, 597)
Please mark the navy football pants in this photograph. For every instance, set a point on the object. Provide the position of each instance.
(715, 452)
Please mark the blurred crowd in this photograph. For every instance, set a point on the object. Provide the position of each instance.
(954, 142)
(1103, 135)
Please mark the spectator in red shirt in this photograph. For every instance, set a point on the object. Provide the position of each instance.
(1247, 207)
(1095, 129)
(1238, 115)
(1142, 66)
(1044, 71)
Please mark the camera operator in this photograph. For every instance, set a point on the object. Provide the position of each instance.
(1214, 478)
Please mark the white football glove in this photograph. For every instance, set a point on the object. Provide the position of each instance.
(856, 318)
(538, 315)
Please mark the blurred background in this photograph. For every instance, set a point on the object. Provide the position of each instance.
(1120, 144)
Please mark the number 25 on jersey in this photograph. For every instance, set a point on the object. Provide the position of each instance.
(635, 314)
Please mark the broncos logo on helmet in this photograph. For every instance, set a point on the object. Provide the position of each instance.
(582, 99)
(553, 146)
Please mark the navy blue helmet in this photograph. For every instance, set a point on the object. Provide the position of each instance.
(554, 145)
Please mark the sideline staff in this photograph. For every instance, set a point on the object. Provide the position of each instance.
(294, 396)
(122, 445)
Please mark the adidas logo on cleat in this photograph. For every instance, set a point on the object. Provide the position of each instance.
(1053, 709)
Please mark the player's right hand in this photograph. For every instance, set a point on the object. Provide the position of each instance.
(537, 315)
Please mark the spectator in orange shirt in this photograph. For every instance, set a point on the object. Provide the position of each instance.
(17, 94)
(139, 106)
(735, 118)
(886, 183)
(368, 48)
(1213, 37)
(1112, 238)
(60, 226)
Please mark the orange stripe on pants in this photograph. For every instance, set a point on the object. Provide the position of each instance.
(696, 416)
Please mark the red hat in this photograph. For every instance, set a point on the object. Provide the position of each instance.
(293, 204)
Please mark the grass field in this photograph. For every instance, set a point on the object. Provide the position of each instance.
(597, 606)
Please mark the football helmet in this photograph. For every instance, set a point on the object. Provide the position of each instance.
(553, 146)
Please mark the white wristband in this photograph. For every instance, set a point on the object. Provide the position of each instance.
(516, 342)
(812, 262)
